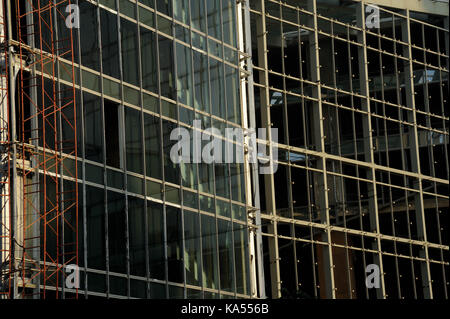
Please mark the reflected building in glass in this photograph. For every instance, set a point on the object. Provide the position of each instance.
(362, 149)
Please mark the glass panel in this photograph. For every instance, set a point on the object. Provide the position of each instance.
(152, 146)
(217, 86)
(95, 223)
(110, 46)
(174, 244)
(164, 6)
(113, 149)
(129, 52)
(146, 17)
(181, 11)
(135, 184)
(241, 258)
(90, 53)
(138, 289)
(214, 23)
(209, 249)
(127, 8)
(149, 62)
(198, 15)
(93, 131)
(133, 140)
(148, 3)
(167, 79)
(136, 228)
(171, 172)
(233, 107)
(201, 82)
(116, 232)
(225, 255)
(192, 251)
(184, 75)
(229, 21)
(118, 285)
(154, 189)
(156, 240)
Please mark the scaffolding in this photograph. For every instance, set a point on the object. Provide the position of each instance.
(43, 107)
(5, 169)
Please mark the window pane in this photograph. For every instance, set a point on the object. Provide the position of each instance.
(217, 86)
(174, 244)
(164, 6)
(171, 172)
(229, 21)
(241, 256)
(136, 226)
(233, 107)
(184, 75)
(93, 131)
(198, 15)
(225, 255)
(156, 240)
(95, 220)
(110, 46)
(129, 52)
(116, 232)
(181, 10)
(90, 55)
(149, 62)
(133, 138)
(201, 82)
(113, 149)
(167, 80)
(214, 23)
(192, 248)
(152, 146)
(209, 249)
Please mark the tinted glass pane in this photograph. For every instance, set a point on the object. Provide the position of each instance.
(241, 256)
(156, 240)
(181, 10)
(95, 223)
(201, 81)
(198, 15)
(93, 131)
(171, 172)
(192, 253)
(225, 255)
(90, 54)
(129, 52)
(167, 79)
(133, 140)
(164, 6)
(110, 46)
(149, 60)
(229, 21)
(214, 23)
(116, 232)
(152, 146)
(113, 149)
(209, 249)
(174, 244)
(184, 75)
(217, 86)
(233, 107)
(136, 228)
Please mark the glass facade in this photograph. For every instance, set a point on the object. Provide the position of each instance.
(362, 169)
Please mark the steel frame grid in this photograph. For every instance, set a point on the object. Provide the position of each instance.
(43, 265)
(372, 165)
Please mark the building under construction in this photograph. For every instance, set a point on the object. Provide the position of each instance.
(93, 206)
